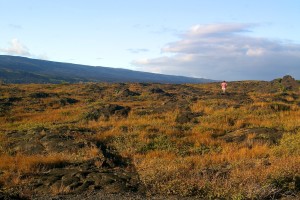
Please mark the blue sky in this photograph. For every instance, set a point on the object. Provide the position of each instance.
(216, 39)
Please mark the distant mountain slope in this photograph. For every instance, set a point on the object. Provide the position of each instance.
(14, 69)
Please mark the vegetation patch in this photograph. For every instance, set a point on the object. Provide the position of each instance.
(186, 141)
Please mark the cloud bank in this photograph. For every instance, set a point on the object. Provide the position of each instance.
(225, 51)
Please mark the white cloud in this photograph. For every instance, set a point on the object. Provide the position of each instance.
(255, 52)
(225, 51)
(213, 29)
(16, 48)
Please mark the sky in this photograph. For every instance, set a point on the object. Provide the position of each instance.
(215, 39)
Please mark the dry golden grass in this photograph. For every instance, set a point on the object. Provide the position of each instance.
(60, 189)
(171, 158)
(14, 167)
(26, 163)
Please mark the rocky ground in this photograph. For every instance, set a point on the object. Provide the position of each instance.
(108, 172)
(108, 175)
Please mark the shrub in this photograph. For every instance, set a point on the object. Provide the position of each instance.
(289, 145)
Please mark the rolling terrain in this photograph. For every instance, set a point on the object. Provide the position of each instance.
(150, 140)
(15, 69)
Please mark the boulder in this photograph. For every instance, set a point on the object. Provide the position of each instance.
(290, 84)
(106, 112)
(187, 116)
(128, 93)
(250, 136)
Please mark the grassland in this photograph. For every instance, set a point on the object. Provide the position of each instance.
(183, 140)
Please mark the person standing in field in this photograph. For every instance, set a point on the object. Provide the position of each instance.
(224, 86)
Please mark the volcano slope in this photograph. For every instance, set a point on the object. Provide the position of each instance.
(150, 140)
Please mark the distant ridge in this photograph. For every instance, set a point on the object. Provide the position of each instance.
(15, 69)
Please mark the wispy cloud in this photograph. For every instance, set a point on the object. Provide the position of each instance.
(137, 50)
(15, 26)
(225, 51)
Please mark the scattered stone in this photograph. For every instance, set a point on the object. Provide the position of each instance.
(128, 93)
(6, 104)
(107, 111)
(107, 172)
(39, 95)
(187, 116)
(279, 107)
(65, 101)
(157, 91)
(258, 135)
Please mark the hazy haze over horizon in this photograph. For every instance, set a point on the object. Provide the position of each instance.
(221, 40)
